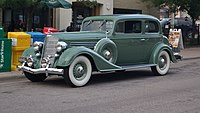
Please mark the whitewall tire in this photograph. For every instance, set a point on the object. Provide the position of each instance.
(163, 64)
(79, 72)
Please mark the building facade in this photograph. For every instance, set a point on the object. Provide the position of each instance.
(75, 15)
(61, 18)
(135, 7)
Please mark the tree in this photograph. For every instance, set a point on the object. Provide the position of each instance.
(191, 6)
(28, 6)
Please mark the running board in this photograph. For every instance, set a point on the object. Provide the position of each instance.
(129, 67)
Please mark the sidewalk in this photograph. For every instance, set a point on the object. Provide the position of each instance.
(188, 53)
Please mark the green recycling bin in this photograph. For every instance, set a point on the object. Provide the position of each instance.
(5, 54)
(1, 32)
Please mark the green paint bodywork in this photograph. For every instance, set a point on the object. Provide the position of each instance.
(132, 49)
(70, 54)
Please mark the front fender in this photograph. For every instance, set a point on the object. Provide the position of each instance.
(157, 49)
(70, 54)
(29, 51)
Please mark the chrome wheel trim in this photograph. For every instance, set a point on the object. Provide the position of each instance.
(163, 63)
(80, 71)
(108, 55)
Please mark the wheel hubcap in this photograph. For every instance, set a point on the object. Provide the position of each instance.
(80, 71)
(107, 55)
(162, 62)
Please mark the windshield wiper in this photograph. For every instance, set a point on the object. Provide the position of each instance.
(90, 22)
(102, 23)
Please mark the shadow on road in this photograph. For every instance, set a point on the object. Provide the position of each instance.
(120, 76)
(102, 78)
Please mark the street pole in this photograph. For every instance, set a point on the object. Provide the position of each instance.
(172, 21)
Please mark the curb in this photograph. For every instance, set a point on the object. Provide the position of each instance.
(192, 58)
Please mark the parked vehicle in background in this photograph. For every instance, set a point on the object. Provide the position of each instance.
(105, 43)
(185, 24)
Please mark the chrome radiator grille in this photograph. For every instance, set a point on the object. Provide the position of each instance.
(50, 46)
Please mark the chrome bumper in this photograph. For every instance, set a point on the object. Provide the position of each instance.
(41, 70)
(178, 56)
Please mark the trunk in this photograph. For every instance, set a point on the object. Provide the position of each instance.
(29, 19)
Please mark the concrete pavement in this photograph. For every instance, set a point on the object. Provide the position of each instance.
(187, 53)
(190, 53)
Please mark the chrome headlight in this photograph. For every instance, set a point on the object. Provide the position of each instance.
(37, 46)
(61, 46)
(44, 62)
(29, 61)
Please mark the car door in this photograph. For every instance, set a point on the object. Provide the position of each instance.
(129, 38)
(152, 37)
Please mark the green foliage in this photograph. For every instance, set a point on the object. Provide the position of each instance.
(191, 6)
(20, 4)
(89, 4)
(28, 6)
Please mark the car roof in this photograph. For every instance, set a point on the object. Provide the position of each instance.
(122, 16)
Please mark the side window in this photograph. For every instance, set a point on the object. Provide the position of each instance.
(151, 27)
(133, 27)
(129, 27)
(120, 27)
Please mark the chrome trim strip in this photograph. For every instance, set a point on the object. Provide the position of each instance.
(86, 44)
(41, 70)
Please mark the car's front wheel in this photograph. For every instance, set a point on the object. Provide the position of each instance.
(163, 64)
(79, 72)
(35, 78)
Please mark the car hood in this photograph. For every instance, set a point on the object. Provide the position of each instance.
(78, 35)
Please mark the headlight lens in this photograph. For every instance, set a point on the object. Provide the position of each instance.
(61, 46)
(44, 62)
(37, 46)
(30, 61)
(58, 49)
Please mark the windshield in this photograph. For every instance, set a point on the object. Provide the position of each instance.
(98, 25)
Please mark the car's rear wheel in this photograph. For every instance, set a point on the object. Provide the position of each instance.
(163, 64)
(79, 72)
(35, 78)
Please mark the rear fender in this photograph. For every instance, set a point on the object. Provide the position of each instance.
(70, 54)
(158, 48)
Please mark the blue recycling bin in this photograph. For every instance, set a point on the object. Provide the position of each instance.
(36, 36)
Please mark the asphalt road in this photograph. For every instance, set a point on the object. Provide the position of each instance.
(136, 91)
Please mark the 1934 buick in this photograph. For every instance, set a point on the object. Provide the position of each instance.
(105, 43)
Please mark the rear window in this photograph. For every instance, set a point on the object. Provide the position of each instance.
(151, 27)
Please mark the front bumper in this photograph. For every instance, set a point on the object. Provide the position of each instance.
(41, 70)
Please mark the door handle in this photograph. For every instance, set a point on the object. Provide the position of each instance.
(142, 39)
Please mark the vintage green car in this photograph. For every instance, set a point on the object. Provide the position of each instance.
(105, 43)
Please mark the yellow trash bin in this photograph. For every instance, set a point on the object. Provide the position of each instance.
(20, 42)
